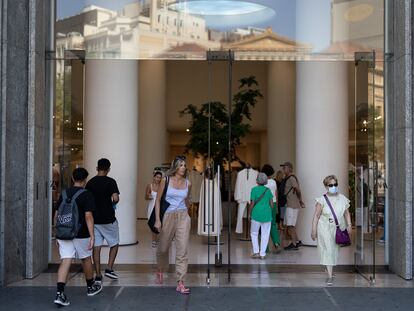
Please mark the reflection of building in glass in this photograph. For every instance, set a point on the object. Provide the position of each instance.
(152, 29)
(138, 30)
(358, 23)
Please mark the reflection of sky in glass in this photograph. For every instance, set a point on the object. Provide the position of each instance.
(283, 22)
(313, 23)
(217, 7)
(307, 21)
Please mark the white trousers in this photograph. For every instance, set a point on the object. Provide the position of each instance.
(241, 213)
(264, 240)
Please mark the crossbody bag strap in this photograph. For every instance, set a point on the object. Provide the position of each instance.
(261, 197)
(332, 210)
(290, 187)
(167, 182)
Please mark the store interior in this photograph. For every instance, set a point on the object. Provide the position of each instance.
(165, 89)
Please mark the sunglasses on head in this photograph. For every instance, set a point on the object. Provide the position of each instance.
(333, 185)
(180, 157)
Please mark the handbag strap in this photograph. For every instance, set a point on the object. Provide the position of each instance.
(167, 181)
(261, 197)
(332, 210)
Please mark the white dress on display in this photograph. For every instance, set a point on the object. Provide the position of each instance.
(151, 203)
(210, 213)
(246, 180)
(196, 179)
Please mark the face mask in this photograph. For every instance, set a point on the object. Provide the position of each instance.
(333, 190)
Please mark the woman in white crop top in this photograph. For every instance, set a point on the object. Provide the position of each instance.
(176, 222)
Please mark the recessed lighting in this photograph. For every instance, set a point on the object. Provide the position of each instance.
(223, 14)
(217, 7)
(358, 12)
(187, 130)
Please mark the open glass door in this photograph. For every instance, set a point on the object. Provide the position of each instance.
(67, 119)
(369, 163)
(218, 205)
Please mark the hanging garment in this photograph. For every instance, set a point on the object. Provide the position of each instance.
(196, 179)
(246, 181)
(210, 214)
(241, 213)
(151, 203)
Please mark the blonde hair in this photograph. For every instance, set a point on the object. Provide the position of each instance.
(329, 178)
(175, 165)
(279, 175)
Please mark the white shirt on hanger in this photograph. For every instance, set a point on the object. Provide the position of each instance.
(246, 180)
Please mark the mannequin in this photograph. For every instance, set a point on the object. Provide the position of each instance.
(246, 180)
(210, 213)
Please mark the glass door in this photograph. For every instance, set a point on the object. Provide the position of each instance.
(67, 118)
(369, 164)
(219, 157)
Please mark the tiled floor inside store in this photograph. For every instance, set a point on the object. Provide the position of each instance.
(143, 253)
(301, 268)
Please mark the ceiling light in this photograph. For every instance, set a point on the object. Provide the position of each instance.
(226, 13)
(217, 7)
(358, 12)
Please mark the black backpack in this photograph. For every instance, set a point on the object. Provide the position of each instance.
(67, 220)
(283, 196)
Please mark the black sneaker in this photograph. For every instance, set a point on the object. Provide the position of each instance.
(111, 274)
(299, 243)
(98, 280)
(61, 300)
(291, 247)
(94, 289)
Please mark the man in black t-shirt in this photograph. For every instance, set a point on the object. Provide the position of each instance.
(81, 246)
(106, 194)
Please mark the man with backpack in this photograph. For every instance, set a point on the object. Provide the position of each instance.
(292, 200)
(106, 194)
(75, 234)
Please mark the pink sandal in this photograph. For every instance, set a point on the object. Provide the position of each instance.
(159, 278)
(182, 289)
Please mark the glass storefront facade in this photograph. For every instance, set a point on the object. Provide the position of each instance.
(271, 40)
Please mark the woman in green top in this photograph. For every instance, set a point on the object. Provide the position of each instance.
(261, 216)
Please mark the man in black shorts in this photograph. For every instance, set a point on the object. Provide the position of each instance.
(81, 246)
(106, 194)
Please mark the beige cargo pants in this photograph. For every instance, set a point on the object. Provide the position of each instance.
(175, 225)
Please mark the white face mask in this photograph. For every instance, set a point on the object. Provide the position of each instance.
(333, 190)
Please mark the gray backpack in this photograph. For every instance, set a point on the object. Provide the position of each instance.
(67, 222)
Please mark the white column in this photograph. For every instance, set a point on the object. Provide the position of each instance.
(111, 131)
(152, 125)
(321, 133)
(281, 113)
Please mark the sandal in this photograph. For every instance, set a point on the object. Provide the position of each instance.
(182, 289)
(159, 278)
(255, 256)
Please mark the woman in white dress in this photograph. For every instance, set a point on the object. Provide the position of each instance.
(150, 196)
(324, 227)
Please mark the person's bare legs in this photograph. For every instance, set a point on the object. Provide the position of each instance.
(63, 270)
(97, 260)
(112, 256)
(87, 268)
(292, 234)
(329, 269)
